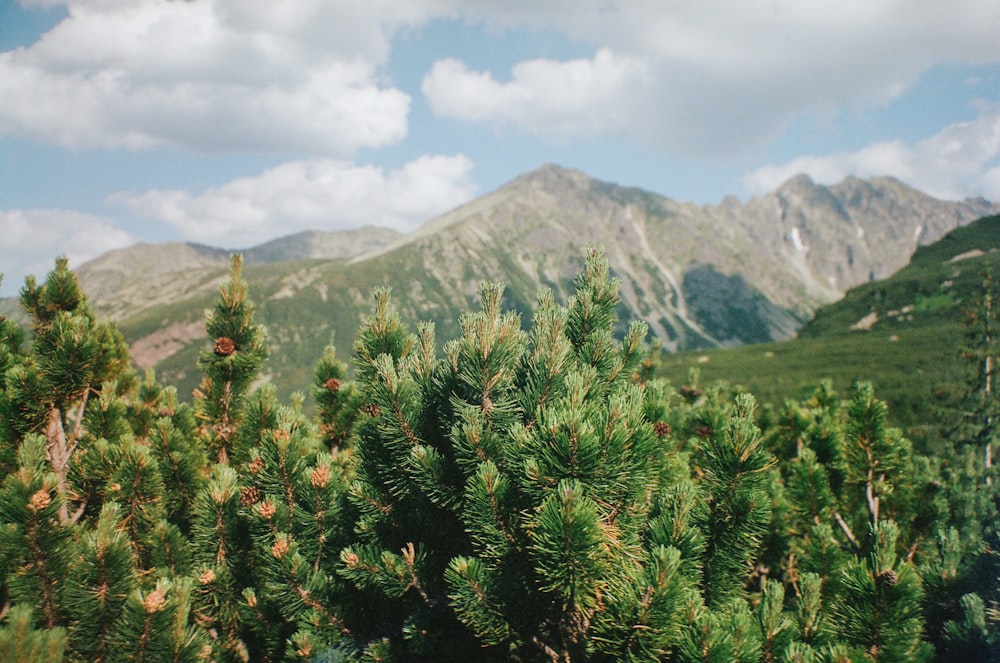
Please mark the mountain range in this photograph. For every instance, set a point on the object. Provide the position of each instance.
(906, 334)
(700, 275)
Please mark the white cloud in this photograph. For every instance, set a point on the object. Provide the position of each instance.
(714, 80)
(210, 75)
(955, 163)
(321, 194)
(548, 97)
(30, 240)
(309, 77)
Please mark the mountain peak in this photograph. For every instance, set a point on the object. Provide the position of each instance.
(553, 174)
(798, 185)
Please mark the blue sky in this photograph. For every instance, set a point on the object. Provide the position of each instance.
(231, 122)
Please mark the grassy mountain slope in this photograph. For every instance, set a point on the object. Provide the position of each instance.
(903, 333)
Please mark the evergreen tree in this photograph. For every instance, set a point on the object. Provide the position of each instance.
(878, 610)
(735, 480)
(230, 365)
(508, 487)
(531, 494)
(83, 525)
(980, 423)
(72, 360)
(266, 528)
(338, 402)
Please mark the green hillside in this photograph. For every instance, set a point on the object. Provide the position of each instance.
(902, 333)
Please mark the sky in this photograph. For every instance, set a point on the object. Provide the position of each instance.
(233, 122)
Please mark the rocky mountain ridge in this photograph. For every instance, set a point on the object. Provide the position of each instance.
(700, 275)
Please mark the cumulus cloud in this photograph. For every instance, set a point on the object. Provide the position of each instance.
(547, 97)
(955, 163)
(212, 75)
(322, 194)
(308, 77)
(712, 82)
(31, 238)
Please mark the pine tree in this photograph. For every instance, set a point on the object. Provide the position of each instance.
(338, 402)
(83, 523)
(509, 487)
(72, 360)
(878, 609)
(531, 494)
(980, 423)
(35, 543)
(735, 468)
(230, 365)
(266, 528)
(11, 353)
(169, 429)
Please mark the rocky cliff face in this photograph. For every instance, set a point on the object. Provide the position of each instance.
(683, 266)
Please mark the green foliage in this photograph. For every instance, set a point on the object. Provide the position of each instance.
(529, 492)
(33, 541)
(338, 402)
(735, 478)
(21, 642)
(908, 355)
(230, 365)
(878, 609)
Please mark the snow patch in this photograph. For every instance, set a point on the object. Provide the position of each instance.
(917, 233)
(797, 240)
(859, 231)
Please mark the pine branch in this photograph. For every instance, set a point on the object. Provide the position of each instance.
(546, 649)
(74, 439)
(846, 529)
(56, 454)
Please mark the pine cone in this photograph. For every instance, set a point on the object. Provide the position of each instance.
(662, 429)
(250, 496)
(690, 394)
(224, 346)
(224, 431)
(332, 385)
(371, 409)
(887, 578)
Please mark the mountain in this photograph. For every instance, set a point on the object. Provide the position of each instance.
(903, 333)
(319, 244)
(701, 276)
(125, 282)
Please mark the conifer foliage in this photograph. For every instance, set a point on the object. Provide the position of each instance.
(528, 491)
(231, 363)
